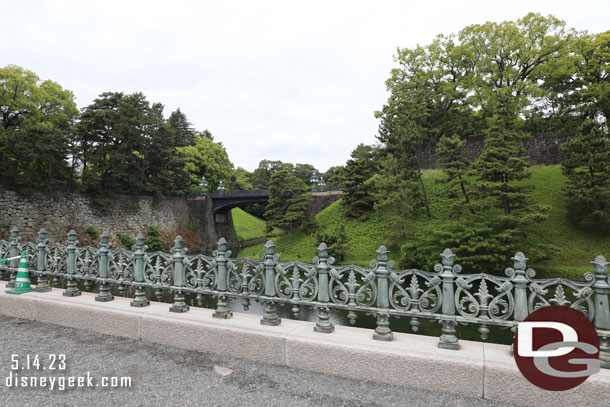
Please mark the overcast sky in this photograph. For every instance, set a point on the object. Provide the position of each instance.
(281, 80)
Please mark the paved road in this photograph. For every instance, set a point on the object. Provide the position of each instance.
(164, 376)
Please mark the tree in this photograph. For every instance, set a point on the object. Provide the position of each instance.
(164, 162)
(112, 136)
(500, 168)
(36, 120)
(452, 159)
(335, 176)
(304, 172)
(587, 166)
(261, 176)
(185, 135)
(240, 180)
(358, 198)
(209, 159)
(288, 199)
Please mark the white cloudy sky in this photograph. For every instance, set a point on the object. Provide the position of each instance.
(283, 80)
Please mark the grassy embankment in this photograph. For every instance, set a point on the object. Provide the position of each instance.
(250, 227)
(575, 248)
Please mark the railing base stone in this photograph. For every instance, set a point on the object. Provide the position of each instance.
(222, 315)
(104, 298)
(42, 289)
(271, 322)
(324, 329)
(179, 308)
(71, 293)
(386, 336)
(139, 303)
(448, 345)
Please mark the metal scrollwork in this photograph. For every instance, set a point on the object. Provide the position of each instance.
(553, 292)
(495, 302)
(411, 296)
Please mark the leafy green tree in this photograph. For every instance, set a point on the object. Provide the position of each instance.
(36, 119)
(209, 159)
(288, 200)
(509, 59)
(453, 160)
(240, 180)
(358, 198)
(587, 165)
(261, 176)
(304, 172)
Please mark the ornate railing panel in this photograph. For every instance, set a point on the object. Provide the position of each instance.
(446, 295)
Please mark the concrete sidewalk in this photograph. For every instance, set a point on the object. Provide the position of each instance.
(164, 375)
(477, 370)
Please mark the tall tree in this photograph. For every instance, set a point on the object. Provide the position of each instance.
(36, 120)
(304, 172)
(185, 135)
(113, 135)
(500, 167)
(453, 160)
(288, 199)
(209, 159)
(587, 166)
(335, 176)
(261, 176)
(358, 197)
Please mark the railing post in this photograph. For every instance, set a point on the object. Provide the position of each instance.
(222, 307)
(270, 261)
(139, 250)
(520, 283)
(104, 246)
(72, 288)
(13, 249)
(602, 309)
(41, 264)
(178, 252)
(447, 270)
(322, 260)
(382, 331)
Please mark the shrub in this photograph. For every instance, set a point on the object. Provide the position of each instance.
(154, 241)
(125, 240)
(93, 232)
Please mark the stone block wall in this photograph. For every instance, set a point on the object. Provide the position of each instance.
(542, 149)
(58, 213)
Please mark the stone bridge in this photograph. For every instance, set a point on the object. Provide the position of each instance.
(224, 201)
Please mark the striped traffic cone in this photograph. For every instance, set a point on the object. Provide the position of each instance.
(22, 283)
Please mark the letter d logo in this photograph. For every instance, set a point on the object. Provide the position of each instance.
(556, 348)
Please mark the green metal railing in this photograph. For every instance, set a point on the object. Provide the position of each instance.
(446, 295)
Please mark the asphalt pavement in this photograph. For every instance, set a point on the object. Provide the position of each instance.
(44, 355)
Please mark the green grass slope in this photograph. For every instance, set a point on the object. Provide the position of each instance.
(575, 248)
(249, 227)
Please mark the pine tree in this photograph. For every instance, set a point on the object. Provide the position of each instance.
(288, 199)
(500, 167)
(452, 159)
(587, 165)
(358, 198)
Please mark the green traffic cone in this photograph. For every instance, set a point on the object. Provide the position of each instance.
(22, 283)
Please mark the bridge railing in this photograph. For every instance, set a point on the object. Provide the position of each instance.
(446, 295)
